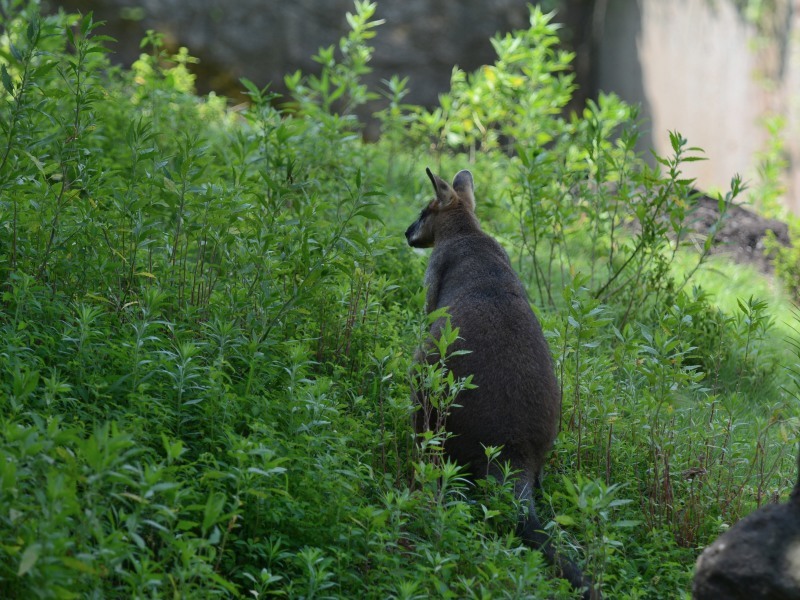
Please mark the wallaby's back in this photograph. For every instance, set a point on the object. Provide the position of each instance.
(517, 399)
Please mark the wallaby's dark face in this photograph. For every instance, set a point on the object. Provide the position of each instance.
(448, 200)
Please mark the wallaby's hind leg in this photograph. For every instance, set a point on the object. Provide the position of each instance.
(531, 531)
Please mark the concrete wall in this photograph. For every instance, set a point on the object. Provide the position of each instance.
(697, 66)
(790, 98)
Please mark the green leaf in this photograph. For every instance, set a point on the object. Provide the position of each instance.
(7, 83)
(78, 565)
(273, 471)
(367, 213)
(252, 89)
(565, 520)
(29, 558)
(215, 537)
(32, 31)
(627, 523)
(213, 510)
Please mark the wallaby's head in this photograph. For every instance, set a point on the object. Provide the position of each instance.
(449, 201)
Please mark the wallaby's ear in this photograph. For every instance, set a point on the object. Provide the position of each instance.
(444, 193)
(462, 184)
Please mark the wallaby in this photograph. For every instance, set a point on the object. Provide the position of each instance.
(517, 401)
(756, 559)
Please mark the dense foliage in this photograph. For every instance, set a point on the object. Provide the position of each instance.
(208, 316)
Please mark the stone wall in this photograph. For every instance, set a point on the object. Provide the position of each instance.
(695, 66)
(265, 39)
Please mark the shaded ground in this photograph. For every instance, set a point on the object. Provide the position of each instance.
(742, 234)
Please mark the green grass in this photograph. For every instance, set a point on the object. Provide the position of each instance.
(727, 281)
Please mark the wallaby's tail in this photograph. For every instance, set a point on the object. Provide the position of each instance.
(532, 533)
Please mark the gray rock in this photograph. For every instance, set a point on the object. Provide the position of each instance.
(757, 559)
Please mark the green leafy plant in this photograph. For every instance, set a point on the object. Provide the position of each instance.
(436, 386)
(595, 502)
(208, 318)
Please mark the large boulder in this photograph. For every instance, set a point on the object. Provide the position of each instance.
(757, 559)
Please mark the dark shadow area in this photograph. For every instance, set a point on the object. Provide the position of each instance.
(619, 68)
(422, 40)
(264, 41)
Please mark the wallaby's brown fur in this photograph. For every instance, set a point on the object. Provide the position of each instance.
(517, 401)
